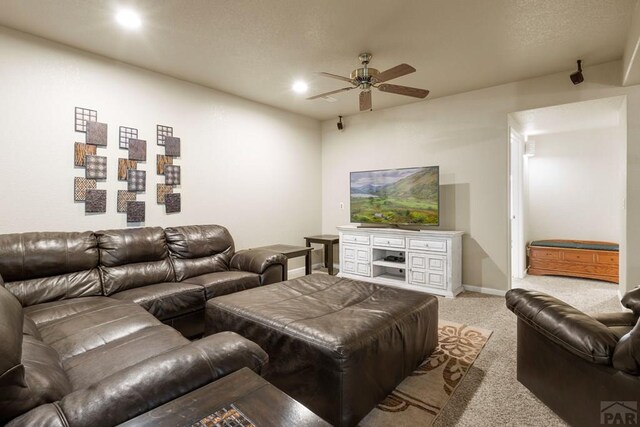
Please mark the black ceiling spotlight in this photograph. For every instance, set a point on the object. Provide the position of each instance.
(577, 77)
(339, 124)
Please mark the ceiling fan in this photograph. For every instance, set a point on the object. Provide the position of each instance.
(365, 78)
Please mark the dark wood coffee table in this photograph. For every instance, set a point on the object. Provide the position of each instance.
(291, 251)
(262, 403)
(327, 240)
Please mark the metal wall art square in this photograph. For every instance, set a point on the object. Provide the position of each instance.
(97, 133)
(172, 175)
(80, 150)
(96, 201)
(123, 166)
(172, 203)
(162, 132)
(172, 146)
(135, 211)
(126, 134)
(95, 167)
(80, 187)
(138, 149)
(163, 190)
(162, 161)
(125, 197)
(136, 180)
(82, 116)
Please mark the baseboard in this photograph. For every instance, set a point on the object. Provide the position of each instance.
(488, 291)
(300, 271)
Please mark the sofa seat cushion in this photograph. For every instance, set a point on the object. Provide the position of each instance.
(72, 329)
(42, 314)
(166, 300)
(94, 365)
(225, 282)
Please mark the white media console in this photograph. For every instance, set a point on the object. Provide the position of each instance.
(429, 261)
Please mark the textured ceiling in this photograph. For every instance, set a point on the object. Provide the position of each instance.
(256, 49)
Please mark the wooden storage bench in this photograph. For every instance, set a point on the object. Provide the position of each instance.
(574, 258)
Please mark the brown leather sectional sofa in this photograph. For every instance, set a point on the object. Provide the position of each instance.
(585, 368)
(81, 319)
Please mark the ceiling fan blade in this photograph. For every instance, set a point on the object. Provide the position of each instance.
(404, 90)
(335, 76)
(330, 93)
(392, 73)
(365, 100)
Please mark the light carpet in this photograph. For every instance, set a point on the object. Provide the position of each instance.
(420, 398)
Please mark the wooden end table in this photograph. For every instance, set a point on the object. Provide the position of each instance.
(261, 402)
(291, 251)
(327, 240)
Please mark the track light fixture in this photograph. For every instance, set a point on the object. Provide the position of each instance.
(577, 77)
(339, 124)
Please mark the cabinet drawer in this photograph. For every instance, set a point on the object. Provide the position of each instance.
(390, 242)
(428, 244)
(545, 253)
(361, 239)
(578, 256)
(607, 259)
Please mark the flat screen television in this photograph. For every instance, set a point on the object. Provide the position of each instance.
(407, 196)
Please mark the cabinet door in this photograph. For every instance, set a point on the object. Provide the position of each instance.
(356, 260)
(428, 270)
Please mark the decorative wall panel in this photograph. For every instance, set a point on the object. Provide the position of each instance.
(137, 149)
(80, 187)
(82, 116)
(123, 166)
(126, 133)
(123, 198)
(172, 203)
(172, 146)
(135, 212)
(80, 151)
(162, 132)
(162, 161)
(163, 190)
(172, 175)
(96, 167)
(136, 180)
(96, 201)
(97, 133)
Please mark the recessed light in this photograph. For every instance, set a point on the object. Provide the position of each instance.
(129, 19)
(300, 87)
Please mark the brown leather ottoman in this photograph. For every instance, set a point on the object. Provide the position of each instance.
(338, 346)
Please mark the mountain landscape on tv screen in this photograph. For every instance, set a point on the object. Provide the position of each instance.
(395, 196)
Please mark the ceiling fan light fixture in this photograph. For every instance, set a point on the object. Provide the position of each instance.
(300, 87)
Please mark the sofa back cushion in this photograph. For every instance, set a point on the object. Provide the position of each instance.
(199, 249)
(133, 258)
(50, 266)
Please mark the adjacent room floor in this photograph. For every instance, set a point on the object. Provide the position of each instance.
(490, 394)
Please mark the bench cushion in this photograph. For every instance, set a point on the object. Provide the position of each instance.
(576, 244)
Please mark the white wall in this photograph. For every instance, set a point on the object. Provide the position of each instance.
(575, 185)
(467, 135)
(253, 168)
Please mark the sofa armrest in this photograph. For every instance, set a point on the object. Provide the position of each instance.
(622, 318)
(631, 300)
(256, 260)
(563, 324)
(153, 382)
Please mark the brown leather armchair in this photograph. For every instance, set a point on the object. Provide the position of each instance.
(577, 364)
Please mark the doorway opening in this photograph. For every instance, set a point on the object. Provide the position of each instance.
(567, 180)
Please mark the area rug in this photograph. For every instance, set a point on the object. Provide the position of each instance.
(420, 398)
